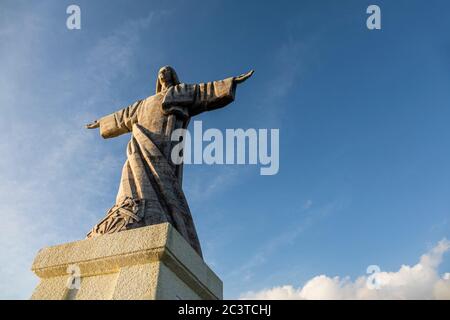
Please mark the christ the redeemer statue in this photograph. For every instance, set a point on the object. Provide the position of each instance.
(150, 189)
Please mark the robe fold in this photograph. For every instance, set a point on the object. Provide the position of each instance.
(150, 190)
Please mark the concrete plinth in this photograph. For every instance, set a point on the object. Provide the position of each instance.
(152, 262)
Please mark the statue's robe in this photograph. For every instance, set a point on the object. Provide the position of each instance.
(150, 189)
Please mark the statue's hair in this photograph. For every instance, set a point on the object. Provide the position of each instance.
(175, 80)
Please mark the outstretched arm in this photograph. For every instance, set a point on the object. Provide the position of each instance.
(216, 94)
(117, 123)
(244, 76)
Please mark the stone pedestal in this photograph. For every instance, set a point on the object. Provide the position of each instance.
(153, 262)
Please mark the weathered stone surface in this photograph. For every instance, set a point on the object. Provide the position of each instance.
(153, 262)
(150, 190)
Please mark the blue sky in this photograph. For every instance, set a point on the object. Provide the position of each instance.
(364, 159)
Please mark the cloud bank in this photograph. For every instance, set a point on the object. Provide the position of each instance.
(421, 281)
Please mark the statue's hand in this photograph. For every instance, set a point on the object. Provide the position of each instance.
(243, 77)
(93, 125)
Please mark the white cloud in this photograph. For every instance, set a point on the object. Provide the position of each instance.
(421, 281)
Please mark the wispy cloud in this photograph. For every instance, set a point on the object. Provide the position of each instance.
(202, 185)
(291, 61)
(244, 273)
(421, 281)
(113, 57)
(55, 175)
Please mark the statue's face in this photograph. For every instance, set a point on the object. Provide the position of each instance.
(165, 77)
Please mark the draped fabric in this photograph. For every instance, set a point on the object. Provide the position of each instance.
(150, 190)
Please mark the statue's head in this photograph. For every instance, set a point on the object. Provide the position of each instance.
(167, 77)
